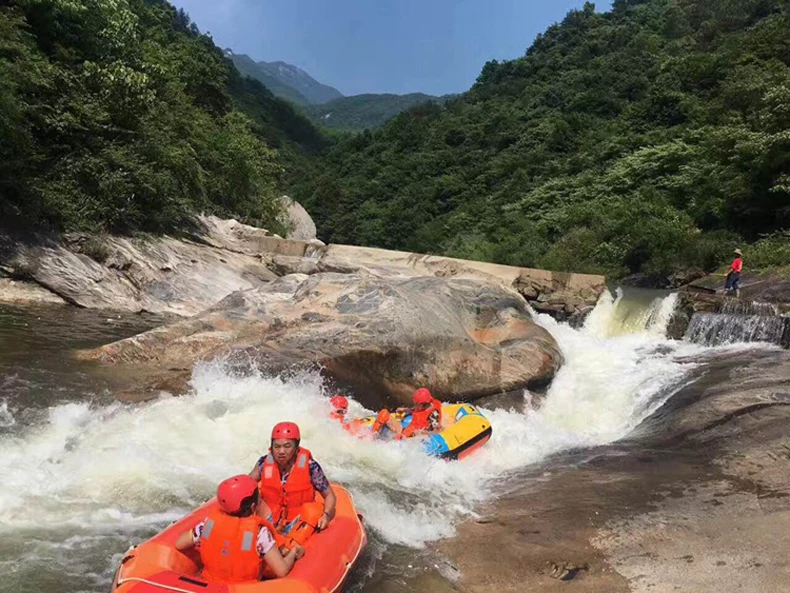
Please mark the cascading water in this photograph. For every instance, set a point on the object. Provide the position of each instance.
(638, 312)
(740, 321)
(86, 479)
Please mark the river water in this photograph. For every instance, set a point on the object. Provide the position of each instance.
(83, 476)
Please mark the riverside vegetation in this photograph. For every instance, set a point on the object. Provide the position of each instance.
(650, 139)
(119, 115)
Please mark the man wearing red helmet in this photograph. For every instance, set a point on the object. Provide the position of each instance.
(289, 478)
(225, 537)
(339, 408)
(426, 416)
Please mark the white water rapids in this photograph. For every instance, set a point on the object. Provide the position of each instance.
(81, 484)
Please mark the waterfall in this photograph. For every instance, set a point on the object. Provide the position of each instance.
(736, 321)
(632, 311)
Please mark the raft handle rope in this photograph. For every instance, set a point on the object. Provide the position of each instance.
(120, 582)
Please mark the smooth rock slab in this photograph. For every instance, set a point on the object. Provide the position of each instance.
(159, 275)
(462, 338)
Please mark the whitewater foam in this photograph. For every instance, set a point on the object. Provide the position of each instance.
(131, 467)
(7, 419)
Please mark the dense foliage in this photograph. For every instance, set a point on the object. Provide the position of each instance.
(650, 138)
(360, 112)
(119, 115)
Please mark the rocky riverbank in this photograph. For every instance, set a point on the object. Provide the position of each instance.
(697, 499)
(185, 275)
(384, 322)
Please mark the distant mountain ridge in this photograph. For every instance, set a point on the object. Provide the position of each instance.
(325, 104)
(285, 80)
(296, 78)
(367, 111)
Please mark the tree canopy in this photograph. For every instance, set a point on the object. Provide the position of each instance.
(119, 115)
(645, 139)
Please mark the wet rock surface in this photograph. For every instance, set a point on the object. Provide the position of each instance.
(696, 499)
(714, 319)
(464, 338)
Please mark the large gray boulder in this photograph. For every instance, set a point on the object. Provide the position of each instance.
(298, 219)
(462, 338)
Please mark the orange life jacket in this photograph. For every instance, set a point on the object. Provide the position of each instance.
(286, 500)
(420, 419)
(228, 547)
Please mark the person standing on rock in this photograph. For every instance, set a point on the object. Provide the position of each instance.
(732, 282)
(289, 478)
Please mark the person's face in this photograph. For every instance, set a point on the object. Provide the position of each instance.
(421, 407)
(341, 411)
(283, 450)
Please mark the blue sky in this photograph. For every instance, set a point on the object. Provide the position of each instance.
(381, 46)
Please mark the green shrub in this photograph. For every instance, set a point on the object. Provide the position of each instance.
(772, 251)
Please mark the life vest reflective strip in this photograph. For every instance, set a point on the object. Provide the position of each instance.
(228, 550)
(286, 500)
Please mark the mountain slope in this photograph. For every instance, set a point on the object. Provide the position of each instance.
(248, 67)
(366, 111)
(124, 118)
(647, 139)
(285, 81)
(326, 104)
(296, 78)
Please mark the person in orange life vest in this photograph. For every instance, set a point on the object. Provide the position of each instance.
(233, 541)
(732, 283)
(383, 418)
(339, 408)
(426, 416)
(289, 477)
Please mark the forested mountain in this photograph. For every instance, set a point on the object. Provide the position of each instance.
(119, 115)
(285, 80)
(248, 67)
(359, 112)
(296, 78)
(641, 140)
(325, 104)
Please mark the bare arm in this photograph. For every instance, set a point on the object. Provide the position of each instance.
(255, 474)
(330, 502)
(282, 565)
(185, 541)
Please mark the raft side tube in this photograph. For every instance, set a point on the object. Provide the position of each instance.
(155, 566)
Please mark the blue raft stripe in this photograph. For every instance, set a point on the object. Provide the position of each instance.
(436, 445)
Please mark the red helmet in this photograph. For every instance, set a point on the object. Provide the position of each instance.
(233, 491)
(422, 396)
(286, 430)
(339, 402)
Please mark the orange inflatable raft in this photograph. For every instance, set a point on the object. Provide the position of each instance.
(155, 566)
